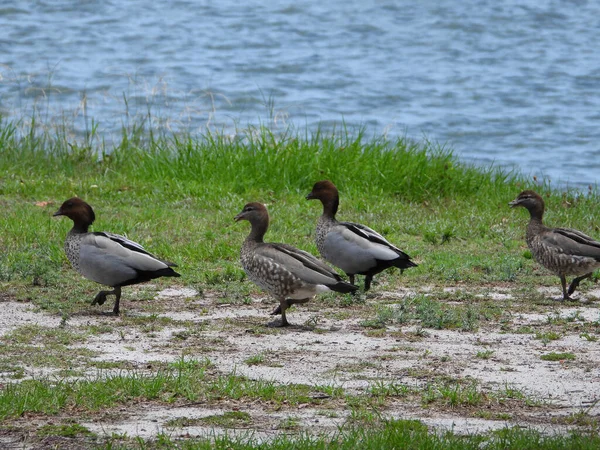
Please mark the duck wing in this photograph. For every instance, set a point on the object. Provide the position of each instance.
(108, 261)
(378, 246)
(131, 245)
(572, 242)
(299, 263)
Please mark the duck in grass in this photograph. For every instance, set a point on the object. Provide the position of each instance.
(107, 258)
(563, 251)
(354, 248)
(288, 274)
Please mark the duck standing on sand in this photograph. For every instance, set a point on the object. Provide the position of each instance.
(288, 274)
(107, 258)
(563, 251)
(354, 248)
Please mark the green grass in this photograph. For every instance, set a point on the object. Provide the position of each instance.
(485, 354)
(185, 380)
(400, 434)
(430, 312)
(177, 195)
(558, 356)
(229, 419)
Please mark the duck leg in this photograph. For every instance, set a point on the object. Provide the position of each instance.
(563, 281)
(289, 302)
(100, 297)
(576, 282)
(368, 280)
(117, 292)
(283, 305)
(277, 310)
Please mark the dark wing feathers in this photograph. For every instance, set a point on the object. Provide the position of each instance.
(573, 242)
(307, 260)
(367, 233)
(375, 237)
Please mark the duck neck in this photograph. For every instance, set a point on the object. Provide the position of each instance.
(536, 213)
(535, 222)
(330, 207)
(80, 227)
(257, 232)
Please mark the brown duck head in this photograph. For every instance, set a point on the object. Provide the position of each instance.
(79, 212)
(328, 194)
(532, 202)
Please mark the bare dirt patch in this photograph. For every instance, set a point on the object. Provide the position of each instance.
(468, 381)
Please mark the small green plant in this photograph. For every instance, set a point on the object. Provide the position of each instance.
(229, 419)
(484, 354)
(383, 389)
(588, 337)
(255, 360)
(65, 430)
(289, 423)
(547, 337)
(558, 357)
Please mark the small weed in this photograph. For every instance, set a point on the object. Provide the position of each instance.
(255, 360)
(65, 430)
(485, 354)
(383, 389)
(289, 423)
(547, 337)
(588, 337)
(558, 357)
(229, 419)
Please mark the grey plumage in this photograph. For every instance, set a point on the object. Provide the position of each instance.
(287, 273)
(563, 251)
(354, 248)
(107, 258)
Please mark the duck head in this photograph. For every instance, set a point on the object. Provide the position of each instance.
(78, 211)
(531, 201)
(328, 194)
(258, 216)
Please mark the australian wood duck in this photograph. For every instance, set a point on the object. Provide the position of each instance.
(288, 274)
(563, 251)
(354, 248)
(107, 258)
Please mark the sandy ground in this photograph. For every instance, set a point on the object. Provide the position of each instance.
(323, 349)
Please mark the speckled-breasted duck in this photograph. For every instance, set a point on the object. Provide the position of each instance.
(563, 251)
(288, 274)
(354, 248)
(107, 258)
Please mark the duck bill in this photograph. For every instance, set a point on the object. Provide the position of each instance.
(513, 203)
(58, 213)
(309, 196)
(239, 217)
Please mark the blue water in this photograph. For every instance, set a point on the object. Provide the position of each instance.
(514, 83)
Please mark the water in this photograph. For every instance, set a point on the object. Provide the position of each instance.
(514, 83)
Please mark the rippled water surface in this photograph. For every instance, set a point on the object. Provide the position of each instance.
(514, 82)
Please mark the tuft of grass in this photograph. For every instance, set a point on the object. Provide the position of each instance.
(65, 430)
(547, 336)
(558, 356)
(229, 419)
(255, 360)
(588, 337)
(184, 379)
(429, 312)
(379, 434)
(484, 354)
